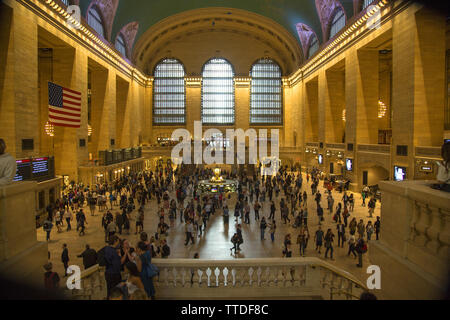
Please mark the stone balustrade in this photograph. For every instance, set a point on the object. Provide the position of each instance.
(274, 278)
(413, 250)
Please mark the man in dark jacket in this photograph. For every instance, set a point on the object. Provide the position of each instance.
(89, 257)
(112, 263)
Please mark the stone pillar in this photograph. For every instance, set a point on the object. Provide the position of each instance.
(334, 97)
(242, 106)
(103, 109)
(70, 71)
(418, 81)
(148, 114)
(124, 113)
(193, 106)
(19, 99)
(22, 257)
(311, 111)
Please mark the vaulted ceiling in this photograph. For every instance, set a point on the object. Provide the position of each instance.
(136, 17)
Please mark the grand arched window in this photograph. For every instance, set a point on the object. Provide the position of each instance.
(169, 93)
(266, 102)
(217, 92)
(313, 46)
(120, 45)
(95, 21)
(338, 22)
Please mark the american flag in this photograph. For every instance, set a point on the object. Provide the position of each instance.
(64, 106)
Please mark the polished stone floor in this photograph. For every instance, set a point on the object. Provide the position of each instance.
(215, 244)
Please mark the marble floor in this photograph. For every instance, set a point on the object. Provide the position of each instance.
(215, 244)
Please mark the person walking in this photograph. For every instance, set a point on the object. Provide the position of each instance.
(256, 208)
(361, 248)
(51, 279)
(341, 234)
(352, 246)
(377, 226)
(89, 257)
(68, 217)
(47, 226)
(361, 228)
(189, 233)
(318, 238)
(263, 226)
(273, 228)
(65, 258)
(369, 230)
(329, 238)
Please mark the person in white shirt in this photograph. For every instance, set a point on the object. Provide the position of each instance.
(8, 165)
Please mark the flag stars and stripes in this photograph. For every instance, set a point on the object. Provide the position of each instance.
(64, 106)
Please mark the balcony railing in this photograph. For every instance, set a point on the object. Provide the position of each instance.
(243, 278)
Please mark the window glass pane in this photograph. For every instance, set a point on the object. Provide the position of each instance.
(338, 23)
(169, 93)
(95, 21)
(66, 2)
(266, 102)
(217, 92)
(313, 47)
(120, 45)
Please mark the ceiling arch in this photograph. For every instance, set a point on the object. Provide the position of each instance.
(220, 31)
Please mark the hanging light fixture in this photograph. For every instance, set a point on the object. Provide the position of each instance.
(344, 115)
(382, 108)
(49, 129)
(89, 130)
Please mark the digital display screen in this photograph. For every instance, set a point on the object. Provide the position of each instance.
(320, 159)
(349, 164)
(40, 167)
(399, 173)
(23, 170)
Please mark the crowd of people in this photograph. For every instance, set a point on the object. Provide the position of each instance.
(178, 201)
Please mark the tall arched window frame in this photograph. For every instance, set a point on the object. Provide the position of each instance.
(313, 46)
(95, 21)
(218, 93)
(266, 100)
(169, 93)
(66, 2)
(338, 22)
(120, 45)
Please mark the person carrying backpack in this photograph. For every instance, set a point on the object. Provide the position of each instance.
(51, 279)
(361, 248)
(47, 226)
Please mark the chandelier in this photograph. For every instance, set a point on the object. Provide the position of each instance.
(49, 129)
(344, 115)
(382, 108)
(89, 130)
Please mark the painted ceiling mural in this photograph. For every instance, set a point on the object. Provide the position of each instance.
(301, 18)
